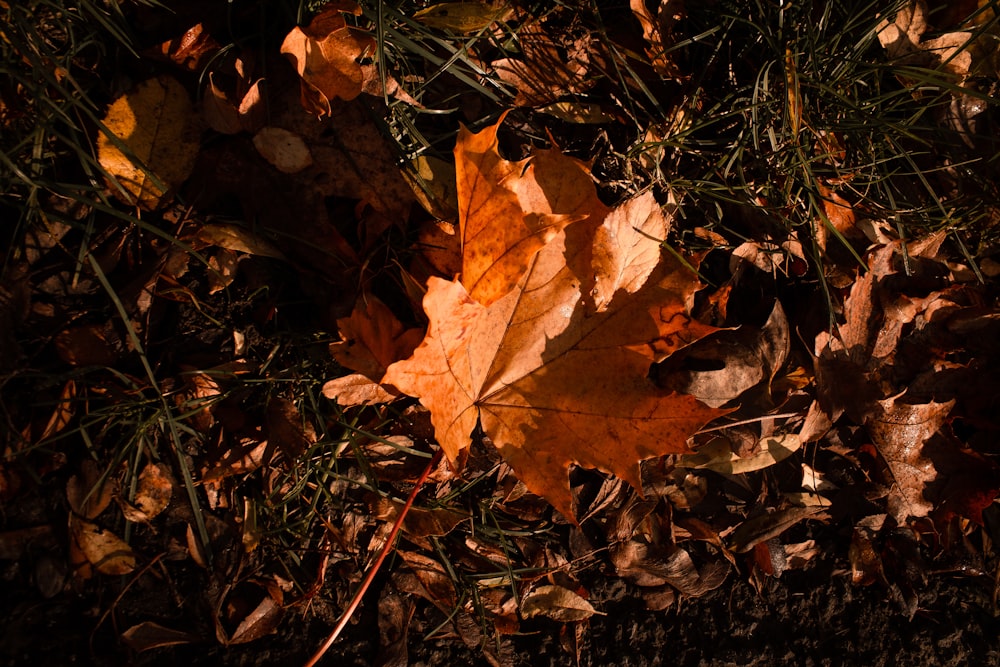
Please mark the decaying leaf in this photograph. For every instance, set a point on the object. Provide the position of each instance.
(550, 67)
(463, 17)
(149, 635)
(89, 493)
(900, 431)
(657, 31)
(558, 603)
(153, 142)
(283, 149)
(156, 487)
(102, 548)
(356, 389)
(718, 456)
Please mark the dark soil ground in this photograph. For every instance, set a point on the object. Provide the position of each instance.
(809, 617)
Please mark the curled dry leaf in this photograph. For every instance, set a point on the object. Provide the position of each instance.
(88, 492)
(151, 143)
(263, 620)
(719, 457)
(149, 635)
(558, 603)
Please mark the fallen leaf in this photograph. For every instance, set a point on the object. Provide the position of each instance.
(152, 496)
(191, 51)
(102, 548)
(900, 431)
(394, 614)
(355, 390)
(462, 17)
(419, 522)
(550, 67)
(719, 457)
(509, 210)
(149, 635)
(262, 621)
(753, 531)
(237, 238)
(285, 150)
(326, 55)
(551, 381)
(372, 338)
(557, 603)
(286, 429)
(657, 31)
(89, 493)
(151, 143)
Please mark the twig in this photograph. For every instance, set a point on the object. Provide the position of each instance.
(374, 567)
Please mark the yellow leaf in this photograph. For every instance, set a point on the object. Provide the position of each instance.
(155, 141)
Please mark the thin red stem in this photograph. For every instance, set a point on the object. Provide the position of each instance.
(375, 566)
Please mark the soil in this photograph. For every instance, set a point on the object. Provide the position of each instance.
(811, 617)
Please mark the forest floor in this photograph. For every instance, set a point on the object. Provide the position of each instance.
(679, 325)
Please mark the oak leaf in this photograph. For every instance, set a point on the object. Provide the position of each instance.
(552, 378)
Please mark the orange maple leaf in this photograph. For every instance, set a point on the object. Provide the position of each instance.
(509, 210)
(556, 370)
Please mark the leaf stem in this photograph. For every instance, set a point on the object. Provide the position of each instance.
(374, 567)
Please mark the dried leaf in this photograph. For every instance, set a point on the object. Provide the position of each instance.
(156, 139)
(262, 621)
(551, 381)
(88, 492)
(462, 17)
(718, 456)
(286, 430)
(326, 55)
(656, 30)
(355, 390)
(102, 548)
(752, 532)
(285, 150)
(558, 603)
(394, 614)
(238, 238)
(372, 338)
(192, 50)
(149, 635)
(419, 522)
(900, 431)
(509, 210)
(156, 487)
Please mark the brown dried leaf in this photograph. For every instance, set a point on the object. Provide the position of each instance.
(262, 621)
(156, 140)
(285, 150)
(156, 487)
(900, 431)
(102, 548)
(286, 429)
(557, 603)
(355, 390)
(87, 492)
(149, 635)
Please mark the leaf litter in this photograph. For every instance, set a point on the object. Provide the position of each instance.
(568, 350)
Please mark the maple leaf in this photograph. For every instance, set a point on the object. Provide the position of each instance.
(552, 378)
(509, 210)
